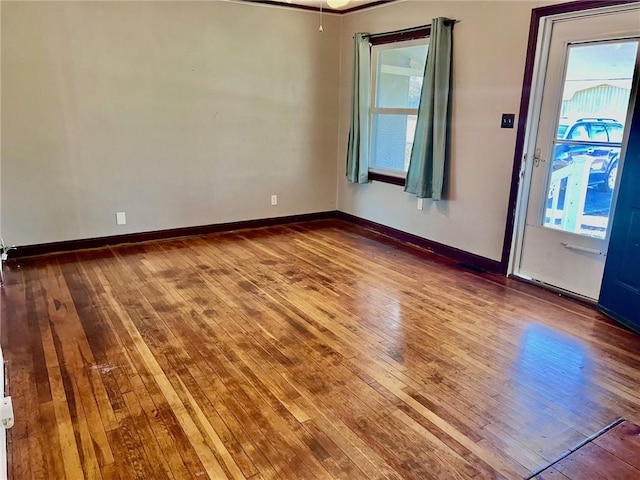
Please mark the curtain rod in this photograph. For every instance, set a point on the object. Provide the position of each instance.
(449, 21)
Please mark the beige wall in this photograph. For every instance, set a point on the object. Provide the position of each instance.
(490, 44)
(178, 113)
(191, 113)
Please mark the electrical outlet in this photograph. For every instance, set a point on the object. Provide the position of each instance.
(274, 199)
(6, 412)
(121, 218)
(420, 203)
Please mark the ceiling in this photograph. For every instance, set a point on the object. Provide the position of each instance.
(316, 3)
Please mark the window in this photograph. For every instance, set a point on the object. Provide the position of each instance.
(562, 129)
(615, 132)
(579, 133)
(599, 133)
(397, 73)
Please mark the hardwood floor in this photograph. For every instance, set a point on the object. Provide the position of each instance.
(614, 454)
(317, 350)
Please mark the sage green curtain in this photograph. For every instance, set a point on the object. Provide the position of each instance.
(429, 153)
(358, 150)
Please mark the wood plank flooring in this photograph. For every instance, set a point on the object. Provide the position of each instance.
(613, 455)
(311, 351)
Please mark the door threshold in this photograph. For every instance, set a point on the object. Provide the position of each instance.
(560, 291)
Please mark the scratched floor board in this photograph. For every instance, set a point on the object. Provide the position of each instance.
(310, 351)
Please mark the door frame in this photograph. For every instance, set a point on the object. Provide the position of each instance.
(530, 81)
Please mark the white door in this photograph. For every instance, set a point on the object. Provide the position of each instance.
(575, 147)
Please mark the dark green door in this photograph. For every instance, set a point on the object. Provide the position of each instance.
(620, 293)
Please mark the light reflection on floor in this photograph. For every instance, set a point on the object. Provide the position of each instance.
(556, 364)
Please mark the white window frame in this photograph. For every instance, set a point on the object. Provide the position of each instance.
(373, 110)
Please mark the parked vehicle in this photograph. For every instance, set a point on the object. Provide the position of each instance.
(600, 139)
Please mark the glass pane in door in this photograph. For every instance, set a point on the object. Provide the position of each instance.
(587, 143)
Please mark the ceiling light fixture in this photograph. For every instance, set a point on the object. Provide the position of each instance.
(337, 3)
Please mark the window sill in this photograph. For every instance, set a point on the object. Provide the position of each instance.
(381, 177)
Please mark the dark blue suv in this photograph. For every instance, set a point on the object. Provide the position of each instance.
(600, 139)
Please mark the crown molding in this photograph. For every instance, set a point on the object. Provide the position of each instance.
(310, 8)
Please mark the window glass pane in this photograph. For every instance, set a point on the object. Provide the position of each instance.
(562, 129)
(594, 106)
(615, 132)
(599, 133)
(399, 76)
(579, 132)
(392, 141)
